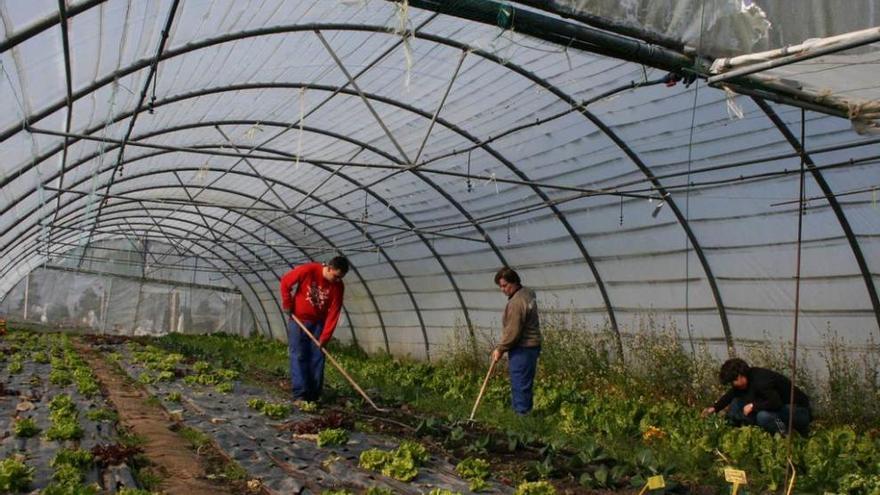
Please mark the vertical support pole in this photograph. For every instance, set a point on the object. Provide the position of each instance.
(27, 286)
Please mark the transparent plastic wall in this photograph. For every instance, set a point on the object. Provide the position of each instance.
(116, 305)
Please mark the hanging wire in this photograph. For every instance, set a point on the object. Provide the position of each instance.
(687, 197)
(789, 473)
(302, 118)
(470, 186)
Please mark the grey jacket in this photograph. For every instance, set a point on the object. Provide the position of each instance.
(521, 325)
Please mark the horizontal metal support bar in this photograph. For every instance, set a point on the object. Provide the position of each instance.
(135, 278)
(289, 158)
(196, 203)
(164, 237)
(872, 189)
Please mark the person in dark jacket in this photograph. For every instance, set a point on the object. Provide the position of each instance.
(520, 338)
(760, 397)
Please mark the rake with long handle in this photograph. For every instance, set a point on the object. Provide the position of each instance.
(337, 365)
(483, 389)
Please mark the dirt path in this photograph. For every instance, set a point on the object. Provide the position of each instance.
(180, 467)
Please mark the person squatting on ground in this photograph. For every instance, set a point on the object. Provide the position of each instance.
(317, 303)
(520, 338)
(760, 397)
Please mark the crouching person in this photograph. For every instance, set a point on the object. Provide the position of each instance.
(760, 397)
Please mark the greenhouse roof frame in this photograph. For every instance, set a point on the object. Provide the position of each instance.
(334, 180)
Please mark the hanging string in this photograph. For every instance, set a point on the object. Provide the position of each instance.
(151, 107)
(508, 230)
(404, 31)
(567, 56)
(470, 186)
(302, 118)
(687, 200)
(366, 210)
(621, 211)
(492, 180)
(797, 290)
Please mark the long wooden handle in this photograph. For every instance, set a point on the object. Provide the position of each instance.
(483, 389)
(337, 365)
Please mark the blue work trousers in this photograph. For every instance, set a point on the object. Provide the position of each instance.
(306, 361)
(523, 365)
(770, 421)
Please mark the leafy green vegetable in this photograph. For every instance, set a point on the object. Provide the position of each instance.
(474, 470)
(401, 467)
(25, 428)
(401, 463)
(277, 410)
(374, 459)
(332, 436)
(102, 415)
(415, 450)
(78, 458)
(15, 476)
(15, 366)
(535, 488)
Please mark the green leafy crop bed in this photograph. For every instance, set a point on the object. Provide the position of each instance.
(581, 436)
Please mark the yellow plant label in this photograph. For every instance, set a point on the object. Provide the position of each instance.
(656, 482)
(737, 476)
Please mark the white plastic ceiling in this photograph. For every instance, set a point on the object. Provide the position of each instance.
(261, 134)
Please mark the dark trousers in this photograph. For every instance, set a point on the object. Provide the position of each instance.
(523, 365)
(770, 421)
(306, 361)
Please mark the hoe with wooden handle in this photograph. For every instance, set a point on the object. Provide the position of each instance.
(482, 389)
(337, 365)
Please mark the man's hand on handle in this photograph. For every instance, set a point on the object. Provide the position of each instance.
(496, 355)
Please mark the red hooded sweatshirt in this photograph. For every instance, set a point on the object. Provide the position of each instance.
(316, 298)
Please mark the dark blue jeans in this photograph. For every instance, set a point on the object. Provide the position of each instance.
(770, 421)
(306, 361)
(773, 421)
(523, 365)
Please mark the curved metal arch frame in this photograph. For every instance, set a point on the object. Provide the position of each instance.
(31, 252)
(541, 82)
(446, 195)
(391, 262)
(316, 231)
(832, 201)
(440, 40)
(355, 182)
(232, 225)
(257, 220)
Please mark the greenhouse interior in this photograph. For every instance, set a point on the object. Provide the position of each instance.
(440, 247)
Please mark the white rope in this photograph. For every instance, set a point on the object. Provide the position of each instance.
(403, 31)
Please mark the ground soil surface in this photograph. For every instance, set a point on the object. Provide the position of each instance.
(179, 467)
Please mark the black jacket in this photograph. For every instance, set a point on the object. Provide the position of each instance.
(767, 390)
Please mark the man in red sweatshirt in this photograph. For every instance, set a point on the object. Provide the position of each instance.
(317, 303)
